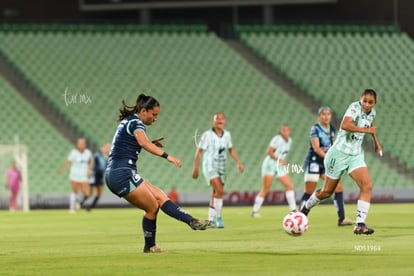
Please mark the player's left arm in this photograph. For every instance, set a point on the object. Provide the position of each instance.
(142, 139)
(90, 164)
(235, 157)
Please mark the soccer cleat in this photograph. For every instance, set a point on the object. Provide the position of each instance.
(197, 224)
(304, 210)
(361, 228)
(219, 222)
(154, 249)
(255, 215)
(345, 222)
(212, 224)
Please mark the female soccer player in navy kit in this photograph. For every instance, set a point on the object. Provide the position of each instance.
(121, 174)
(346, 154)
(321, 139)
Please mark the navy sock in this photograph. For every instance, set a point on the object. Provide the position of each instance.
(149, 227)
(339, 203)
(95, 200)
(303, 199)
(173, 210)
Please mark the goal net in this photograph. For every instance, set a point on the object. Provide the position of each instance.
(17, 153)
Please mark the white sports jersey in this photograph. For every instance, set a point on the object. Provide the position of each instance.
(214, 148)
(79, 164)
(281, 146)
(351, 142)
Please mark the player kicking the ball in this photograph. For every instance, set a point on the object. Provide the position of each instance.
(346, 154)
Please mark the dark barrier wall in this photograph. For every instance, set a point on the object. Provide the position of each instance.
(344, 11)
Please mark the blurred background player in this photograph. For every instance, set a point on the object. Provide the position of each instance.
(346, 154)
(273, 165)
(81, 161)
(99, 166)
(321, 139)
(173, 195)
(14, 178)
(121, 175)
(214, 142)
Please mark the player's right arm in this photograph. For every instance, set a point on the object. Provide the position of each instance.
(197, 158)
(316, 146)
(348, 125)
(63, 168)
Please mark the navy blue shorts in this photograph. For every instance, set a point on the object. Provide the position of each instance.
(122, 181)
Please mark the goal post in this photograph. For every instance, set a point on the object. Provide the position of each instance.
(19, 154)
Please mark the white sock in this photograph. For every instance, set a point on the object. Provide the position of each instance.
(218, 205)
(257, 203)
(362, 211)
(312, 201)
(290, 198)
(211, 213)
(72, 201)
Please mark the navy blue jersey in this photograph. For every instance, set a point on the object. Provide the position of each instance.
(125, 148)
(325, 137)
(99, 164)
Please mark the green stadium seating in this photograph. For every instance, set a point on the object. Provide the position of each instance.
(193, 74)
(47, 148)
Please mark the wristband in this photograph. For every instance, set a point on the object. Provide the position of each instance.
(164, 155)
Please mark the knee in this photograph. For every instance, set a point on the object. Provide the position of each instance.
(151, 213)
(219, 193)
(366, 187)
(324, 194)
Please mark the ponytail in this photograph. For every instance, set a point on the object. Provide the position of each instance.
(143, 101)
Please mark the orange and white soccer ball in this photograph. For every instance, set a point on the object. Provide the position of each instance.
(295, 223)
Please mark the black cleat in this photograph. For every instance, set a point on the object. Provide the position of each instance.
(361, 228)
(197, 224)
(304, 210)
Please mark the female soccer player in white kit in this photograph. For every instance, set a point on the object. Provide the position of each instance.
(346, 154)
(273, 165)
(81, 161)
(214, 142)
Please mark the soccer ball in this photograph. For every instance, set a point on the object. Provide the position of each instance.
(295, 223)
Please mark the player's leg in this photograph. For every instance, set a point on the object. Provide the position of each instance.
(258, 201)
(72, 198)
(311, 180)
(363, 179)
(326, 191)
(340, 206)
(335, 163)
(13, 200)
(268, 172)
(312, 173)
(85, 192)
(144, 199)
(98, 188)
(216, 203)
(286, 181)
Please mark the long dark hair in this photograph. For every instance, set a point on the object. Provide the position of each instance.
(143, 101)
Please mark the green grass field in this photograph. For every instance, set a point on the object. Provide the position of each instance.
(109, 242)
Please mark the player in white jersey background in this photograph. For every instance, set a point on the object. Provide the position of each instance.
(347, 154)
(214, 143)
(273, 165)
(81, 162)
